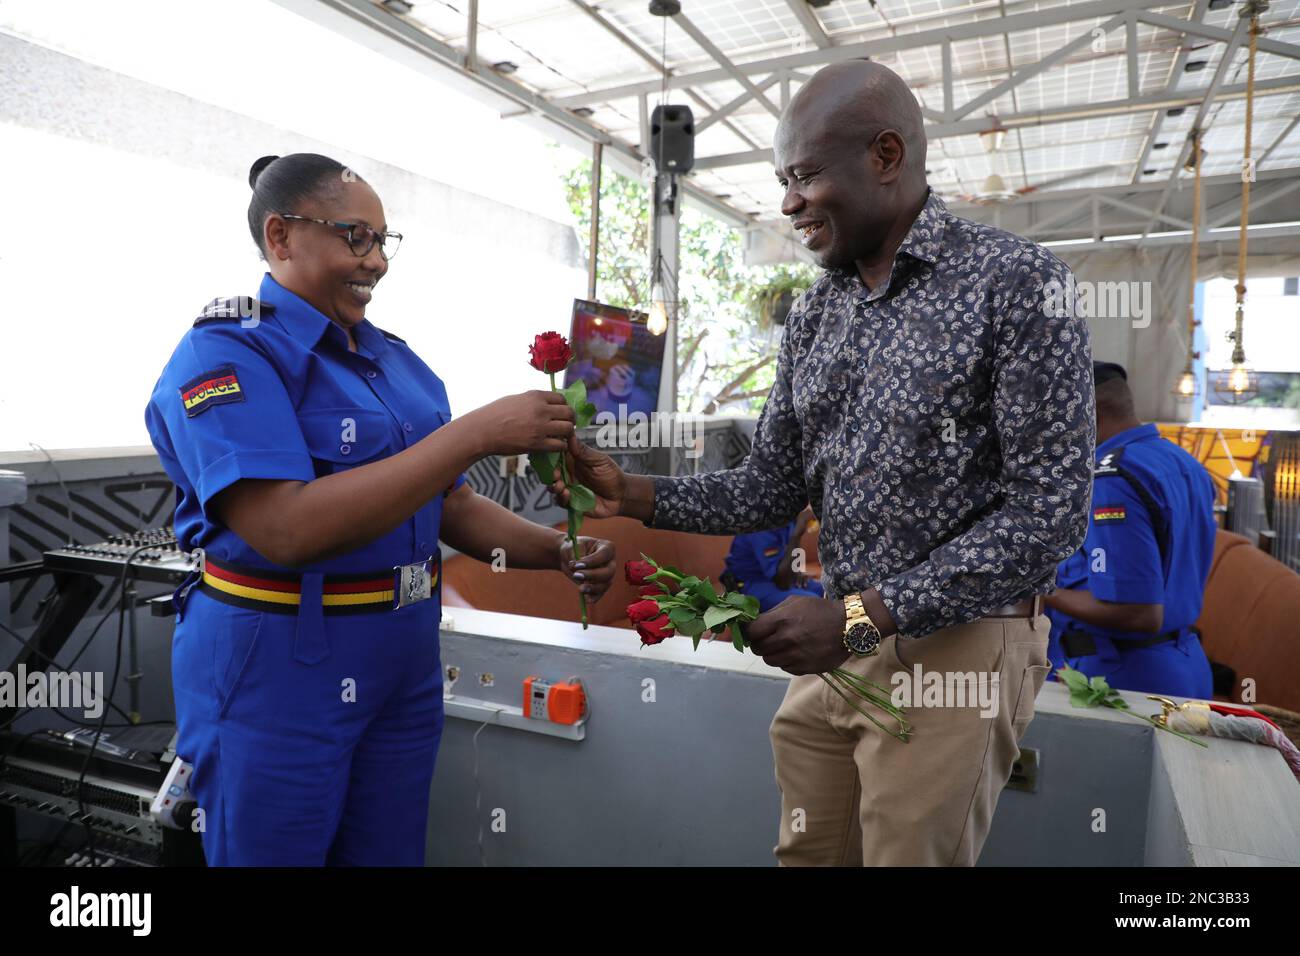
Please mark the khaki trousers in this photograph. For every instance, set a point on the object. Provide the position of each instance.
(852, 795)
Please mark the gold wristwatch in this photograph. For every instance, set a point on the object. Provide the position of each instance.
(861, 636)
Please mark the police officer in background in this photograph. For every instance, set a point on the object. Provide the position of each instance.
(317, 465)
(1129, 596)
(761, 564)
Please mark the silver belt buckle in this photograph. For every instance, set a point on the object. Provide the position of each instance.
(413, 582)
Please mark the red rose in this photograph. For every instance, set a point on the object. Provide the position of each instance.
(653, 632)
(650, 590)
(636, 572)
(551, 352)
(643, 611)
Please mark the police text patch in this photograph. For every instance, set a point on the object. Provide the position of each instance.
(1109, 513)
(218, 387)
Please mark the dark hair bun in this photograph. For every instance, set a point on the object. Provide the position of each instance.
(256, 169)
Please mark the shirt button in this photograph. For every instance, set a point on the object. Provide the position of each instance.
(408, 426)
(345, 449)
(371, 373)
(423, 546)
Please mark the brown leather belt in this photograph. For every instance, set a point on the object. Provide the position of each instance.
(1029, 607)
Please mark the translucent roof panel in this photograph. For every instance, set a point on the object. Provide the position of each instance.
(1075, 119)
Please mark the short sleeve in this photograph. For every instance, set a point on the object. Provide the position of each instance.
(223, 411)
(1121, 549)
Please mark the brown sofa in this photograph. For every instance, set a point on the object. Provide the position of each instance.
(1250, 620)
(470, 583)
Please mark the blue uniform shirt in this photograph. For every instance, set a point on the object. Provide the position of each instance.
(281, 396)
(1121, 558)
(755, 556)
(313, 737)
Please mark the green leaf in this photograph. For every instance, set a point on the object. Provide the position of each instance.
(575, 394)
(581, 498)
(1073, 679)
(751, 607)
(575, 522)
(692, 628)
(584, 413)
(681, 615)
(734, 598)
(1098, 683)
(737, 639)
(689, 582)
(704, 589)
(544, 464)
(715, 616)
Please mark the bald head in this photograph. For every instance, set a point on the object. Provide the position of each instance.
(850, 103)
(850, 156)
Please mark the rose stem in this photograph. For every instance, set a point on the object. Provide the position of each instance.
(573, 535)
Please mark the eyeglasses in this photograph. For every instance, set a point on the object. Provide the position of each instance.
(360, 239)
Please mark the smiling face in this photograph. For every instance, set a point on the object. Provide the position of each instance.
(843, 160)
(315, 261)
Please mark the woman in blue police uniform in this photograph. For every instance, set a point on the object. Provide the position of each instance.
(1127, 599)
(317, 466)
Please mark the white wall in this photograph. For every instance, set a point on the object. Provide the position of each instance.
(125, 204)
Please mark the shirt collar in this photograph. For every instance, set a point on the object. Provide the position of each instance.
(308, 324)
(923, 241)
(1136, 433)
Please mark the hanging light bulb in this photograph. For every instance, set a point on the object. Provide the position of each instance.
(657, 323)
(1186, 383)
(1240, 383)
(1239, 379)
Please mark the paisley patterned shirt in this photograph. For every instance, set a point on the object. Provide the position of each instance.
(941, 426)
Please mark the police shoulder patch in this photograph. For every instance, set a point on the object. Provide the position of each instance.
(1109, 513)
(242, 307)
(217, 387)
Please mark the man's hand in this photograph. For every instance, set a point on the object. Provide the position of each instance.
(598, 472)
(801, 635)
(593, 572)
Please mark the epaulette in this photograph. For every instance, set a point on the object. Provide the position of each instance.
(242, 307)
(1108, 464)
(390, 335)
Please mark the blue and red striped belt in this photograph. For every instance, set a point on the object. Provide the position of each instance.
(281, 592)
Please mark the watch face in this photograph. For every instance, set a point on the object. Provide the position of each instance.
(862, 638)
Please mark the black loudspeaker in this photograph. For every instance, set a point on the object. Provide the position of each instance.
(672, 139)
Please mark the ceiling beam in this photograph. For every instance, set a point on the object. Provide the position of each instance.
(613, 30)
(1226, 57)
(1029, 72)
(986, 27)
(378, 29)
(1194, 28)
(811, 24)
(726, 108)
(1062, 114)
(1171, 84)
(733, 71)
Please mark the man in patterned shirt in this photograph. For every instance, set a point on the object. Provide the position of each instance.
(934, 404)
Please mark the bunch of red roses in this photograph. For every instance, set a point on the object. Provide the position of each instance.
(674, 602)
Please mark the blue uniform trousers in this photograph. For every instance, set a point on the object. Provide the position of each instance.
(315, 751)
